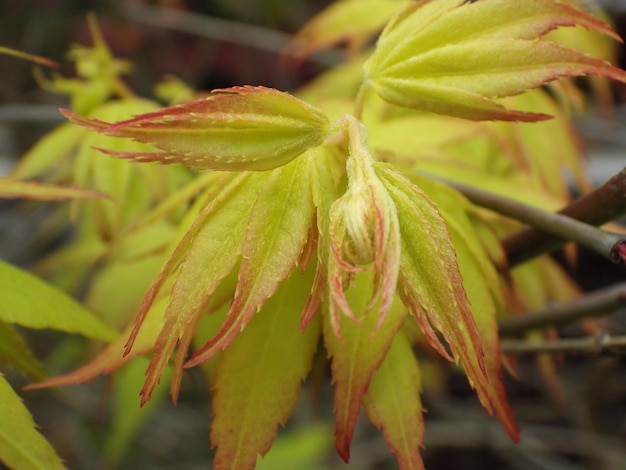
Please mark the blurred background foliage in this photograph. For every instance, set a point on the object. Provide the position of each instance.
(220, 43)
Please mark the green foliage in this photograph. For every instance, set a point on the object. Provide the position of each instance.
(21, 446)
(319, 219)
(35, 304)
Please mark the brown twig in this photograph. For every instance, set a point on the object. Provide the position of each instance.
(248, 35)
(559, 225)
(602, 205)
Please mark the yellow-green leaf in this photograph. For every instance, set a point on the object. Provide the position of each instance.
(259, 377)
(49, 153)
(304, 447)
(21, 446)
(550, 148)
(113, 357)
(277, 232)
(392, 402)
(239, 128)
(14, 352)
(127, 416)
(454, 57)
(132, 191)
(358, 354)
(430, 283)
(484, 290)
(30, 302)
(351, 21)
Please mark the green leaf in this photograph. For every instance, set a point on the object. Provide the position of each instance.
(454, 57)
(113, 357)
(392, 402)
(21, 446)
(470, 244)
(117, 289)
(13, 351)
(485, 292)
(239, 128)
(548, 149)
(33, 58)
(304, 447)
(130, 192)
(277, 232)
(30, 302)
(49, 153)
(542, 282)
(351, 21)
(422, 135)
(270, 358)
(127, 417)
(12, 189)
(358, 354)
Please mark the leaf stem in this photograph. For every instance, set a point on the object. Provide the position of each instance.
(609, 245)
(598, 303)
(602, 205)
(360, 100)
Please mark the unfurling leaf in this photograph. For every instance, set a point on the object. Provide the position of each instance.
(363, 232)
(234, 129)
(454, 57)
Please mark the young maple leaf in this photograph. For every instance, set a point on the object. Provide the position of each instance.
(389, 245)
(235, 129)
(456, 57)
(387, 237)
(363, 231)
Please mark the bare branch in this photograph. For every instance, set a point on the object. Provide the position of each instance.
(602, 344)
(252, 36)
(598, 303)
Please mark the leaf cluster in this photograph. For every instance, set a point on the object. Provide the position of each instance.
(333, 216)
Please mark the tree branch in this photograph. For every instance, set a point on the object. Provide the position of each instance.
(564, 227)
(602, 344)
(598, 303)
(602, 205)
(252, 36)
